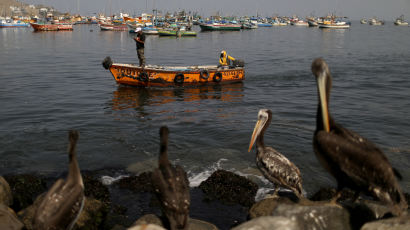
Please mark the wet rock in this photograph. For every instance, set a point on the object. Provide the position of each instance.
(148, 219)
(94, 188)
(25, 188)
(92, 216)
(325, 194)
(396, 223)
(315, 215)
(364, 211)
(265, 207)
(8, 219)
(140, 183)
(146, 227)
(269, 223)
(6, 197)
(27, 215)
(230, 188)
(194, 224)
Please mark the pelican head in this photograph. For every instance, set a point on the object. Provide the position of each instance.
(264, 117)
(324, 82)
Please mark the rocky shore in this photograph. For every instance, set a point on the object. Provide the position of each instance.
(224, 201)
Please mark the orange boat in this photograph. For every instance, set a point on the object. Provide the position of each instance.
(165, 76)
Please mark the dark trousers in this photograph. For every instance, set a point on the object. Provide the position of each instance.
(141, 57)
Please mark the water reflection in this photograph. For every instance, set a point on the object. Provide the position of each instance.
(132, 97)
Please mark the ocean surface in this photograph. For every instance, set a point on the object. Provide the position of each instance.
(52, 82)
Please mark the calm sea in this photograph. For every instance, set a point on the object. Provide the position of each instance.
(54, 81)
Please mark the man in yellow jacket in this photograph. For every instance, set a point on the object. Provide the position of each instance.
(224, 59)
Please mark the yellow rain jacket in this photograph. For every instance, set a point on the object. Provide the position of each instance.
(224, 58)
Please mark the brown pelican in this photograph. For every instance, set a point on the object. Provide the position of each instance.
(172, 187)
(355, 162)
(273, 165)
(63, 203)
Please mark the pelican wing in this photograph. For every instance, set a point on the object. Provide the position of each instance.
(279, 169)
(362, 164)
(60, 206)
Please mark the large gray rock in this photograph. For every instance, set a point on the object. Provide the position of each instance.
(269, 223)
(265, 207)
(194, 224)
(8, 219)
(396, 223)
(315, 215)
(6, 197)
(146, 227)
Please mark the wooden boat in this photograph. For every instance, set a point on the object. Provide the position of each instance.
(13, 23)
(51, 26)
(174, 33)
(166, 76)
(220, 26)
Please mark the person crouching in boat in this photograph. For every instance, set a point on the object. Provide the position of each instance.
(225, 59)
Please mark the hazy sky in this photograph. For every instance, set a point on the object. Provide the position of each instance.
(354, 9)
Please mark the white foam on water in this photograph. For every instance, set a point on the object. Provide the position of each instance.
(196, 179)
(107, 180)
(261, 193)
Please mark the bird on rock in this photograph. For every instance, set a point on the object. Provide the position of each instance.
(354, 161)
(273, 165)
(63, 203)
(171, 186)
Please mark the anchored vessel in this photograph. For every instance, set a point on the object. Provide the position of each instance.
(165, 76)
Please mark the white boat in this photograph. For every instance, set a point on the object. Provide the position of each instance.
(299, 23)
(363, 21)
(375, 22)
(335, 25)
(400, 21)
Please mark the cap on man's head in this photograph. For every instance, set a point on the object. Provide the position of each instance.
(138, 29)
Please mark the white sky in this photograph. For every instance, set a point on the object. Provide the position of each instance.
(354, 9)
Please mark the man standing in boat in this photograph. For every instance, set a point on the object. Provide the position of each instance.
(224, 59)
(140, 40)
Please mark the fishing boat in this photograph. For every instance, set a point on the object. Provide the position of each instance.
(299, 23)
(400, 21)
(376, 22)
(113, 27)
(165, 32)
(55, 26)
(335, 25)
(168, 76)
(8, 23)
(220, 26)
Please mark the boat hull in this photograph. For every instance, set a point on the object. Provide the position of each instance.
(160, 76)
(51, 27)
(220, 27)
(329, 26)
(176, 33)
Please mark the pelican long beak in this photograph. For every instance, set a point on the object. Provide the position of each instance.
(256, 131)
(321, 84)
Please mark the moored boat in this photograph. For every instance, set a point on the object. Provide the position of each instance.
(13, 23)
(220, 26)
(52, 26)
(165, 32)
(335, 25)
(400, 21)
(376, 22)
(113, 27)
(168, 76)
(363, 21)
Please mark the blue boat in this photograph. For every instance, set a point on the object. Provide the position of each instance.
(13, 23)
